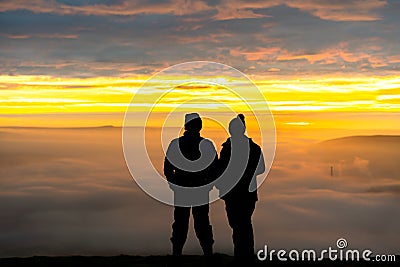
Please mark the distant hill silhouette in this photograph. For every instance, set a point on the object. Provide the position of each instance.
(373, 156)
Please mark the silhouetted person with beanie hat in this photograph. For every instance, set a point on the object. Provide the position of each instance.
(241, 160)
(191, 146)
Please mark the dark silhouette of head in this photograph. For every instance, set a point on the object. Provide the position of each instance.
(237, 126)
(241, 117)
(193, 122)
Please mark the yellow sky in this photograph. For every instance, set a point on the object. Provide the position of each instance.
(27, 95)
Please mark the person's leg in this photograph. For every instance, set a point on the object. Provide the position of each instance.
(246, 226)
(203, 228)
(180, 229)
(232, 213)
(239, 217)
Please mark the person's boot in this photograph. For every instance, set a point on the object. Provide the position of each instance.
(176, 259)
(207, 250)
(177, 250)
(208, 254)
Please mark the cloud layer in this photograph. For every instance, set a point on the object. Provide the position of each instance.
(69, 192)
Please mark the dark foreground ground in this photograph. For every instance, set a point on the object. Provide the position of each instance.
(189, 260)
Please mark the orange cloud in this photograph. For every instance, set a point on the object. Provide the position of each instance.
(213, 38)
(177, 7)
(18, 36)
(354, 10)
(260, 53)
(59, 36)
(337, 54)
(48, 36)
(230, 12)
(274, 70)
(394, 59)
(324, 56)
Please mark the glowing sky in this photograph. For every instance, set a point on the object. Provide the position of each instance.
(29, 94)
(306, 56)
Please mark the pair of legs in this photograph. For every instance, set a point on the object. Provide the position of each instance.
(239, 212)
(202, 228)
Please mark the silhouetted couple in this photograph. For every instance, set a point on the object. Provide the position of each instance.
(192, 168)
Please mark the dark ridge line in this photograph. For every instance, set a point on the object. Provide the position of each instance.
(359, 137)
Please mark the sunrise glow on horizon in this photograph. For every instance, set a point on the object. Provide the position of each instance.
(46, 94)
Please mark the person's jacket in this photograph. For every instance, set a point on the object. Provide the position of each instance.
(189, 146)
(246, 187)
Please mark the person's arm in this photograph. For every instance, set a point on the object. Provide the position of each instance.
(214, 171)
(209, 174)
(259, 170)
(169, 169)
(261, 164)
(224, 158)
(222, 163)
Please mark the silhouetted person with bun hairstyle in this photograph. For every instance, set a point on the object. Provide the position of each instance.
(182, 168)
(241, 160)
